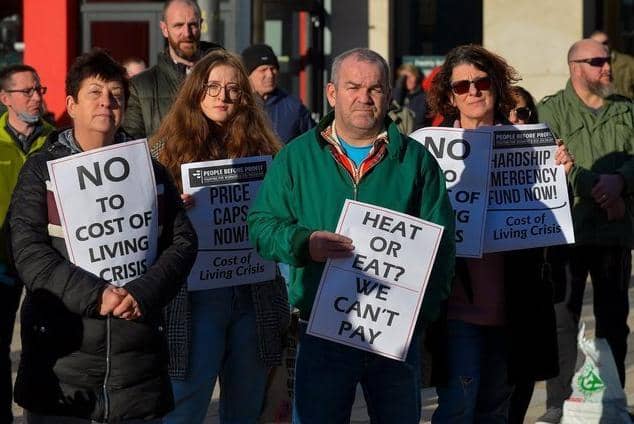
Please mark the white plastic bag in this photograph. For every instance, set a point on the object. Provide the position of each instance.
(597, 396)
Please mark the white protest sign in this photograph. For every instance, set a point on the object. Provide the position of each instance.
(106, 199)
(528, 193)
(223, 191)
(371, 300)
(464, 156)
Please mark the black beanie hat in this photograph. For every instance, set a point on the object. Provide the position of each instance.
(258, 54)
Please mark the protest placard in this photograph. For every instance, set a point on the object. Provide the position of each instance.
(223, 191)
(464, 156)
(106, 200)
(371, 300)
(528, 204)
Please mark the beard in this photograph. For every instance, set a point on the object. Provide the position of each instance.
(187, 53)
(601, 89)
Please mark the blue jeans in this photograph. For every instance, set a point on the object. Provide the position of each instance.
(477, 390)
(285, 272)
(224, 345)
(327, 374)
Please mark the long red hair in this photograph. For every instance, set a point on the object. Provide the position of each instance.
(187, 135)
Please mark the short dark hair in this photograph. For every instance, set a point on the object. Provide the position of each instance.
(501, 73)
(96, 63)
(7, 73)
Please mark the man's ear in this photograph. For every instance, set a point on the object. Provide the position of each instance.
(331, 94)
(4, 98)
(163, 26)
(70, 106)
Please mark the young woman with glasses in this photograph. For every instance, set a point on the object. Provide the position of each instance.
(235, 331)
(499, 306)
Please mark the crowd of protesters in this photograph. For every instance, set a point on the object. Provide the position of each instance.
(152, 350)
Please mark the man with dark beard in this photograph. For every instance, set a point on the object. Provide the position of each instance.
(598, 129)
(152, 92)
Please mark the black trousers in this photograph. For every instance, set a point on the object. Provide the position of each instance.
(32, 418)
(609, 268)
(9, 300)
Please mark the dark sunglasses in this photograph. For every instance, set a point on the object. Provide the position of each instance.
(594, 61)
(522, 113)
(463, 86)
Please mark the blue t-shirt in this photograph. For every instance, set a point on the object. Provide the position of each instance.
(357, 154)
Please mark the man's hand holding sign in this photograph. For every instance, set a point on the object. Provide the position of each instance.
(324, 245)
(377, 269)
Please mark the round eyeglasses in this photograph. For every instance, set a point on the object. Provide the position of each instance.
(232, 91)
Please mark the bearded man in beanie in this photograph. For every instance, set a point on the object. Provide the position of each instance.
(289, 116)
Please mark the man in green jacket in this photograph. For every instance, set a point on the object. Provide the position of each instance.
(354, 153)
(598, 129)
(152, 92)
(22, 132)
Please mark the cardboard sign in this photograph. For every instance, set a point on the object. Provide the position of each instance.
(528, 204)
(464, 156)
(371, 300)
(223, 191)
(106, 199)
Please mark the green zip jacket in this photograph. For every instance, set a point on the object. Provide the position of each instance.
(305, 189)
(601, 144)
(11, 160)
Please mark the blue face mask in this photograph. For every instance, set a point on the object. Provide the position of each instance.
(28, 118)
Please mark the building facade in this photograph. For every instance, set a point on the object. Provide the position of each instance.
(533, 35)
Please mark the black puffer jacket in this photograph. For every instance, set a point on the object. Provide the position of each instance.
(153, 91)
(75, 362)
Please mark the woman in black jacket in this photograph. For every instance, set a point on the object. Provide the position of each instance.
(90, 350)
(500, 325)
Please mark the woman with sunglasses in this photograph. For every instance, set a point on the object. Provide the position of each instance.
(236, 332)
(524, 110)
(499, 305)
